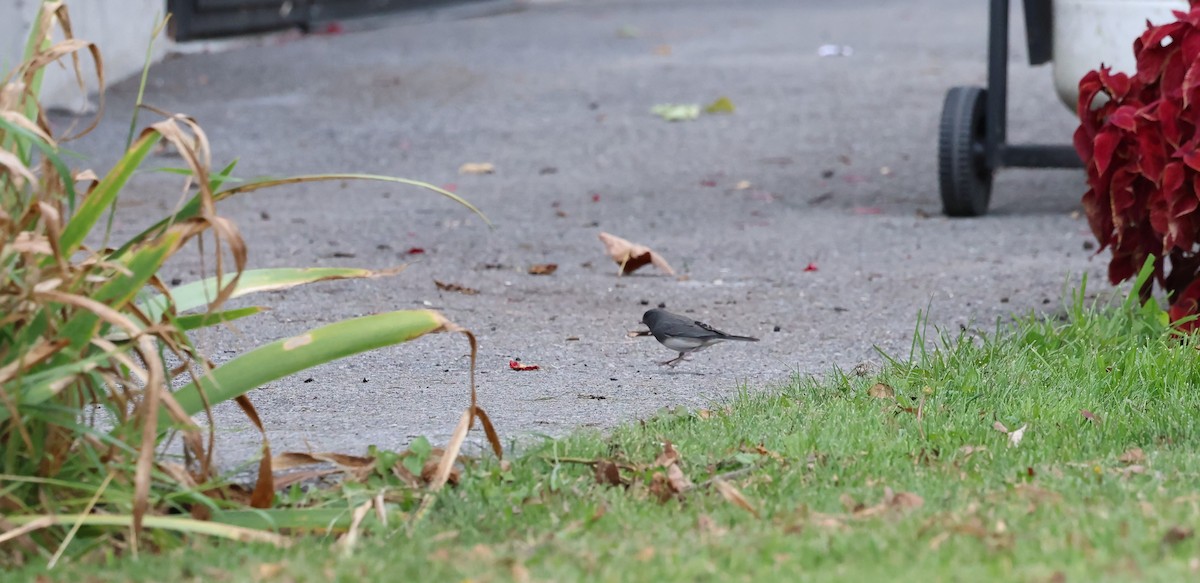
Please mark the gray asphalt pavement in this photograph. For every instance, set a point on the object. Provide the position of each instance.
(839, 153)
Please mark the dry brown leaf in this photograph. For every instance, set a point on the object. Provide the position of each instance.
(734, 496)
(902, 500)
(350, 538)
(631, 256)
(454, 287)
(543, 268)
(477, 168)
(677, 480)
(1177, 534)
(1090, 416)
(881, 391)
(660, 488)
(1133, 455)
(607, 473)
(668, 456)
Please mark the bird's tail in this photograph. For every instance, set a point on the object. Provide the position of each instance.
(746, 338)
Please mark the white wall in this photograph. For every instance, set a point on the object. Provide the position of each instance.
(121, 28)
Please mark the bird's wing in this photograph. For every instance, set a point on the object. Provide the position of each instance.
(709, 328)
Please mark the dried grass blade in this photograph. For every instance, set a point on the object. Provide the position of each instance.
(452, 448)
(263, 495)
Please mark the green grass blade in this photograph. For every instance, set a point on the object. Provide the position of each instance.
(194, 321)
(120, 289)
(40, 386)
(315, 520)
(320, 345)
(106, 193)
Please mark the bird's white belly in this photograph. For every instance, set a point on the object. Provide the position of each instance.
(681, 344)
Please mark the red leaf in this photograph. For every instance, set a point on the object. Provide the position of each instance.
(810, 267)
(1124, 118)
(1186, 304)
(1103, 146)
(415, 251)
(518, 365)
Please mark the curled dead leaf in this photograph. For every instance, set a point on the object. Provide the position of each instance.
(518, 365)
(543, 268)
(607, 473)
(677, 480)
(734, 496)
(630, 256)
(454, 287)
(881, 391)
(668, 457)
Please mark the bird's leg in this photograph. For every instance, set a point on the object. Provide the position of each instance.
(671, 363)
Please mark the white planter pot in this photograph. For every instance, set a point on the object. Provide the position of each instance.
(1090, 32)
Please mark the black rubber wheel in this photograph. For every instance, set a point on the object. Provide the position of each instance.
(963, 175)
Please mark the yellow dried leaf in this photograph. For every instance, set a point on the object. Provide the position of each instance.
(477, 168)
(881, 391)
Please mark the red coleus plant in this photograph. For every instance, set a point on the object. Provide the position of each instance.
(1140, 141)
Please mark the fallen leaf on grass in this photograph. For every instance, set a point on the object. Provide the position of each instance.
(543, 268)
(721, 105)
(902, 500)
(677, 111)
(734, 496)
(518, 365)
(630, 256)
(668, 456)
(454, 287)
(1015, 436)
(477, 168)
(881, 391)
(678, 481)
(1090, 416)
(607, 473)
(1134, 455)
(645, 554)
(1177, 534)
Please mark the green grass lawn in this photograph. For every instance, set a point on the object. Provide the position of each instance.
(847, 486)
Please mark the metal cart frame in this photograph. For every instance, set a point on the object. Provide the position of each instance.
(972, 142)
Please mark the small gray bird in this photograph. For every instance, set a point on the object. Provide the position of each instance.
(683, 335)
